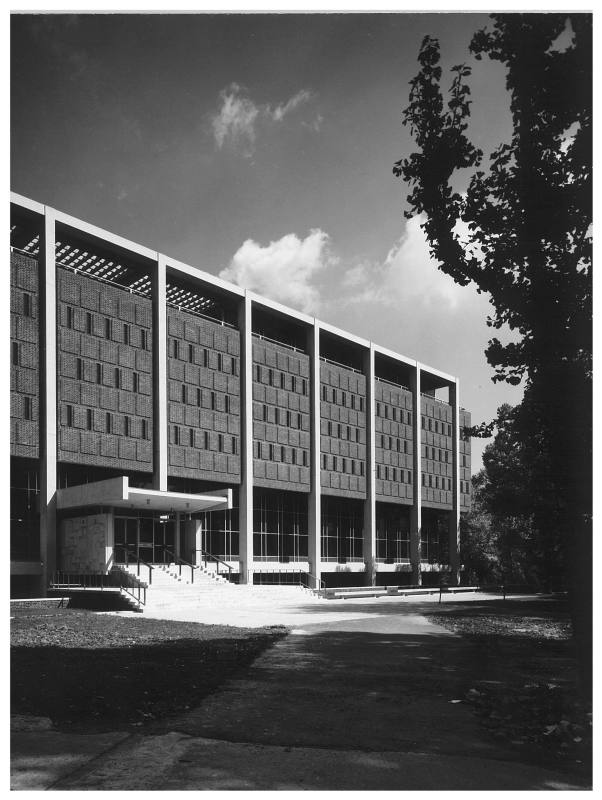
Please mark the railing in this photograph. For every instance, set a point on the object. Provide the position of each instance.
(138, 561)
(275, 341)
(393, 383)
(318, 582)
(338, 364)
(116, 579)
(436, 399)
(200, 314)
(180, 562)
(206, 555)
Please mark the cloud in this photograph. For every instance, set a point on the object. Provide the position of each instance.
(236, 121)
(284, 270)
(408, 274)
(280, 112)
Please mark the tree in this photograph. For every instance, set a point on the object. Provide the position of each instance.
(529, 212)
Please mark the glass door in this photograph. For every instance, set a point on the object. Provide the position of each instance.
(125, 538)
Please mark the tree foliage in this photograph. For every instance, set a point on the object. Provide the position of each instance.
(528, 210)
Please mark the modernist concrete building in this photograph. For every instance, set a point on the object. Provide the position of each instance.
(159, 412)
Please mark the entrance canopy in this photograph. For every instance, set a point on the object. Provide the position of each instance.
(118, 493)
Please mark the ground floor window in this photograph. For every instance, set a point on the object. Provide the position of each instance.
(392, 532)
(220, 534)
(434, 536)
(342, 529)
(24, 511)
(279, 526)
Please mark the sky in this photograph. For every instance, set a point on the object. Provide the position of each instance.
(260, 147)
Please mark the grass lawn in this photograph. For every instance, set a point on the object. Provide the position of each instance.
(99, 671)
(525, 687)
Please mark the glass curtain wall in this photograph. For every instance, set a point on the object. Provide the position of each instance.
(24, 511)
(434, 536)
(220, 533)
(392, 533)
(342, 529)
(279, 526)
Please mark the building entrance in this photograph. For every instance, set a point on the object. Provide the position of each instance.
(151, 539)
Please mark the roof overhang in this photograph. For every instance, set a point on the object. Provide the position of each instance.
(116, 492)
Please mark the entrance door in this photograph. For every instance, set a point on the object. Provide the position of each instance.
(126, 538)
(164, 539)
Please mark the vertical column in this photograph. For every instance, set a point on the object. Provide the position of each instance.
(370, 502)
(160, 445)
(454, 515)
(245, 513)
(314, 500)
(48, 401)
(416, 516)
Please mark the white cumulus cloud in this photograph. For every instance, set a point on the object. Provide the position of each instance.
(407, 274)
(284, 270)
(280, 112)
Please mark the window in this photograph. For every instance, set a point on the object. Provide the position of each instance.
(409, 418)
(409, 477)
(15, 353)
(271, 452)
(220, 442)
(198, 396)
(405, 447)
(304, 386)
(175, 348)
(144, 429)
(362, 468)
(430, 424)
(191, 437)
(235, 445)
(361, 403)
(27, 305)
(190, 353)
(205, 358)
(69, 416)
(126, 426)
(117, 378)
(89, 419)
(109, 422)
(144, 338)
(135, 382)
(227, 403)
(283, 453)
(79, 369)
(98, 373)
(108, 328)
(324, 393)
(213, 401)
(126, 333)
(206, 438)
(235, 366)
(184, 392)
(283, 381)
(305, 458)
(176, 434)
(220, 362)
(423, 422)
(265, 413)
(69, 317)
(27, 407)
(88, 322)
(353, 401)
(271, 377)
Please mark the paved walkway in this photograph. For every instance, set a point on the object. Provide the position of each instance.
(362, 700)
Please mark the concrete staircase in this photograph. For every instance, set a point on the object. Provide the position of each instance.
(172, 591)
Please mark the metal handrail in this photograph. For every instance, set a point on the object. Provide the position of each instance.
(181, 562)
(100, 581)
(276, 341)
(338, 364)
(138, 562)
(205, 554)
(319, 584)
(393, 383)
